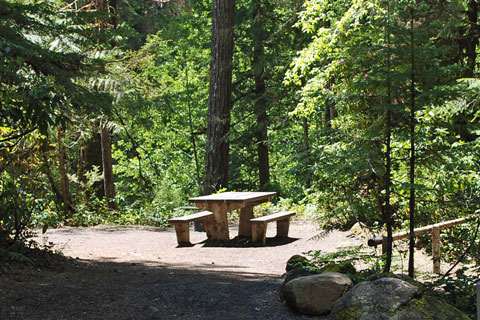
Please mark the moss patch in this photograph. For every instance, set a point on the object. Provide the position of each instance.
(350, 313)
(341, 267)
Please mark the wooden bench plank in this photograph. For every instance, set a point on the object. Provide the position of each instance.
(275, 216)
(182, 228)
(259, 225)
(192, 217)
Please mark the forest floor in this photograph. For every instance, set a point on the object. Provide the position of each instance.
(112, 272)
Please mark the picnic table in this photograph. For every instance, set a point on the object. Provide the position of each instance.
(224, 202)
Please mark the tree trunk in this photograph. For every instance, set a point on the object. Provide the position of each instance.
(471, 39)
(112, 10)
(63, 175)
(411, 250)
(262, 148)
(387, 208)
(49, 173)
(108, 181)
(220, 98)
(306, 146)
(90, 157)
(100, 5)
(190, 122)
(306, 137)
(258, 65)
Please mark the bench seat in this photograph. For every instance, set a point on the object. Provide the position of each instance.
(259, 225)
(182, 225)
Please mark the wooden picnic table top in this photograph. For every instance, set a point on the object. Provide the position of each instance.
(234, 197)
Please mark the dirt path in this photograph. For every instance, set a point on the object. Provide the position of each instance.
(140, 273)
(158, 247)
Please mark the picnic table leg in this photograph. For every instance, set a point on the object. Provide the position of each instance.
(245, 226)
(220, 227)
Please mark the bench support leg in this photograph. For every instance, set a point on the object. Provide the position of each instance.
(282, 227)
(183, 232)
(259, 232)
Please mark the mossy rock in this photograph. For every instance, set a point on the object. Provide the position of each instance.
(396, 276)
(340, 267)
(350, 313)
(392, 298)
(297, 262)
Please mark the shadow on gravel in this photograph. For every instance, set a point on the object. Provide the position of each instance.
(245, 242)
(105, 229)
(109, 290)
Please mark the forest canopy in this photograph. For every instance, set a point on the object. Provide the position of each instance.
(352, 111)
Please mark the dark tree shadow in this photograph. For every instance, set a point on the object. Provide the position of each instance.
(246, 242)
(141, 290)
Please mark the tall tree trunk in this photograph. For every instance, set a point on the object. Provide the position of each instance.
(220, 97)
(262, 148)
(305, 125)
(63, 174)
(100, 5)
(90, 157)
(387, 209)
(109, 6)
(471, 39)
(411, 250)
(190, 122)
(306, 146)
(108, 181)
(112, 10)
(258, 65)
(48, 172)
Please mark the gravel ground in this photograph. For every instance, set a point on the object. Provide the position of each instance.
(140, 273)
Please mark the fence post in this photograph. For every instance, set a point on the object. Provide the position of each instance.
(436, 248)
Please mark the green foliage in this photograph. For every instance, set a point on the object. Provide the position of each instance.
(347, 254)
(460, 290)
(345, 70)
(14, 256)
(21, 188)
(38, 80)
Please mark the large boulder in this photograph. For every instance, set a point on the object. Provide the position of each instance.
(316, 294)
(391, 298)
(294, 274)
(297, 273)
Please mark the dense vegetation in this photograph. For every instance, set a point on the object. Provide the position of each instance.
(353, 111)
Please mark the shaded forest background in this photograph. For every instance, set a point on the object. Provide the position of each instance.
(353, 111)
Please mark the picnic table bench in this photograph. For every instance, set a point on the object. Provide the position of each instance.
(259, 225)
(182, 225)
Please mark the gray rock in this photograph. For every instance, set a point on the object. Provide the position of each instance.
(391, 299)
(316, 294)
(297, 273)
(294, 274)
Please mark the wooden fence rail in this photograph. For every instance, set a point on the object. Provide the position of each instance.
(434, 229)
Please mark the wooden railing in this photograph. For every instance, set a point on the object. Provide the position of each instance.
(434, 229)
